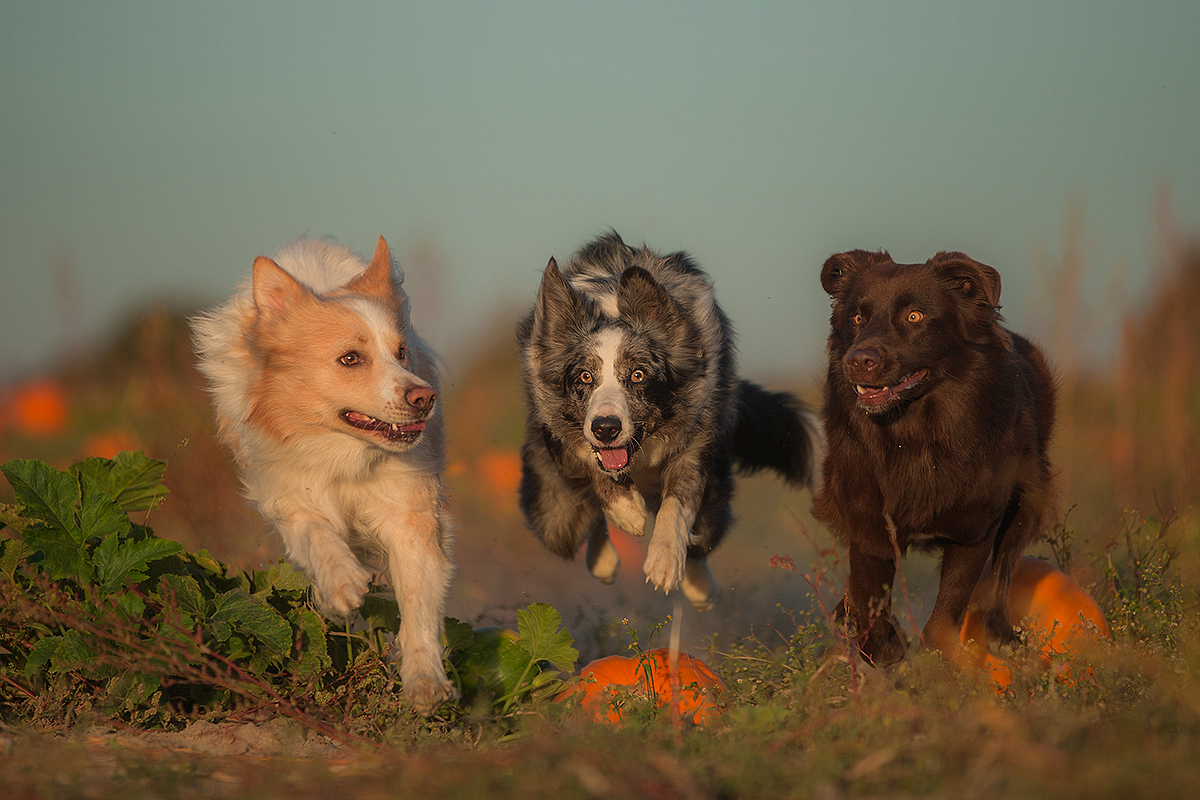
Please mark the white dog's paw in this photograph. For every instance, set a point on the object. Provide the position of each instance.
(427, 691)
(628, 513)
(664, 564)
(342, 586)
(603, 560)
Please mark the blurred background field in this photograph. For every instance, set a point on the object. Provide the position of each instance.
(1127, 449)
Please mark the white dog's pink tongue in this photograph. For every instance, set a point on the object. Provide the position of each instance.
(614, 457)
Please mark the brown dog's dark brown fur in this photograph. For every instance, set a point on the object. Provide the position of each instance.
(937, 421)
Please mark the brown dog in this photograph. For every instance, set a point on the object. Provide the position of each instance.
(937, 421)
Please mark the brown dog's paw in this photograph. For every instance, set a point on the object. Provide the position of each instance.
(884, 644)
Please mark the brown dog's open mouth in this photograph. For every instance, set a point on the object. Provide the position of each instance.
(404, 432)
(881, 397)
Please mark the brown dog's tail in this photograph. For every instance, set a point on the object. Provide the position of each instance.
(774, 430)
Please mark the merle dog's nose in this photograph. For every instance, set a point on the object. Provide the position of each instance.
(420, 397)
(606, 429)
(862, 364)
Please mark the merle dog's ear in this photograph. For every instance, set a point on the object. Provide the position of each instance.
(973, 279)
(840, 268)
(557, 302)
(639, 296)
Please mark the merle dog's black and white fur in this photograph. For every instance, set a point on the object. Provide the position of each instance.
(635, 412)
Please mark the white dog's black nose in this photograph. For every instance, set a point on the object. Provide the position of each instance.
(606, 429)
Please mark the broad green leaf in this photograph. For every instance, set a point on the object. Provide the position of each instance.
(47, 494)
(121, 562)
(10, 515)
(459, 635)
(185, 592)
(132, 606)
(12, 552)
(62, 556)
(282, 577)
(314, 652)
(132, 480)
(99, 514)
(71, 653)
(541, 638)
(40, 654)
(255, 617)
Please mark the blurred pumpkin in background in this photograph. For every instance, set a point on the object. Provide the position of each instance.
(39, 407)
(604, 682)
(1054, 611)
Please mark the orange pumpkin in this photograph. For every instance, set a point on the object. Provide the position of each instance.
(603, 680)
(1054, 610)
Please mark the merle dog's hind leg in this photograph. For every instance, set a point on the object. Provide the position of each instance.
(603, 561)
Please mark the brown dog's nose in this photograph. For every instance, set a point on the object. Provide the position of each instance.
(421, 397)
(862, 364)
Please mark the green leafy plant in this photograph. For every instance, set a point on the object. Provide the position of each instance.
(99, 615)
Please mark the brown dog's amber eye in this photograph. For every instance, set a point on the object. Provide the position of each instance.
(857, 319)
(915, 316)
(585, 377)
(351, 359)
(637, 376)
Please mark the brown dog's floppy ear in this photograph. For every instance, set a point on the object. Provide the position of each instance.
(838, 269)
(969, 276)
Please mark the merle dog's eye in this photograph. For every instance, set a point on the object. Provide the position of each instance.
(915, 316)
(351, 359)
(585, 377)
(402, 353)
(637, 376)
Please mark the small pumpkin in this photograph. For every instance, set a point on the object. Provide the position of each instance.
(602, 681)
(1055, 611)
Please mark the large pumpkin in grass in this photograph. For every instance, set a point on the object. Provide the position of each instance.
(1055, 612)
(604, 682)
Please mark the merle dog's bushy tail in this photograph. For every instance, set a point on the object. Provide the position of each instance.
(774, 430)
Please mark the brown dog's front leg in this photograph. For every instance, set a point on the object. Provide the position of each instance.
(869, 605)
(961, 568)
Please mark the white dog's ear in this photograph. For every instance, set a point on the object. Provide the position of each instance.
(274, 288)
(376, 279)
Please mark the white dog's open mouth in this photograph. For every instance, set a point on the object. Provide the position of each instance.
(392, 431)
(872, 397)
(612, 458)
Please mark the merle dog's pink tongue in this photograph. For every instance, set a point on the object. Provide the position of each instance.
(614, 457)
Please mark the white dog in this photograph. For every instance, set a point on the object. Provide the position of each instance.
(327, 398)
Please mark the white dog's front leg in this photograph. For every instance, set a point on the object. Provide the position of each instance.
(319, 548)
(418, 546)
(667, 552)
(628, 512)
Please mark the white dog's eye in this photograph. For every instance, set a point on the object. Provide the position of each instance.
(351, 359)
(637, 376)
(402, 353)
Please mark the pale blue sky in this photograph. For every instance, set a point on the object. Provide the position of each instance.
(157, 148)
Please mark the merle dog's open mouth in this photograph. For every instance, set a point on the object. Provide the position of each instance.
(612, 459)
(879, 397)
(403, 432)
